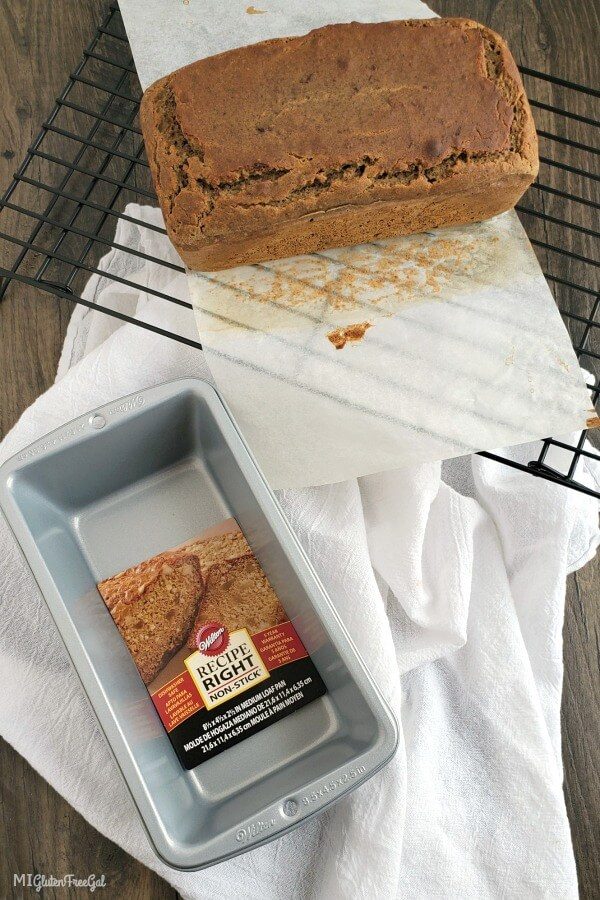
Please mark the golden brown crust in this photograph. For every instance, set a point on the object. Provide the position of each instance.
(154, 605)
(238, 595)
(219, 548)
(350, 133)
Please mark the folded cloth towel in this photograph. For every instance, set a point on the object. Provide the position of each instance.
(451, 580)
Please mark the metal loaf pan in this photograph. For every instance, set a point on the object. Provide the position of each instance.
(134, 478)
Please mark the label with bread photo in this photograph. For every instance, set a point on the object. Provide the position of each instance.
(212, 642)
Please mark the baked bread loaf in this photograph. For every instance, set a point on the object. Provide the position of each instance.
(237, 594)
(154, 606)
(217, 549)
(348, 134)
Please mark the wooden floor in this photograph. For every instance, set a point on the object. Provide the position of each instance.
(40, 44)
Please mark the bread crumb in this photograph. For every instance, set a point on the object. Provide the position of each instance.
(340, 336)
(253, 11)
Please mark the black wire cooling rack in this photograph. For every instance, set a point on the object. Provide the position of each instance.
(59, 212)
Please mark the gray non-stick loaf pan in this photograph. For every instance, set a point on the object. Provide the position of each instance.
(125, 482)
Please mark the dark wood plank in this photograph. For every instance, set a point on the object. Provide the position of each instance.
(42, 834)
(561, 39)
(581, 723)
(39, 832)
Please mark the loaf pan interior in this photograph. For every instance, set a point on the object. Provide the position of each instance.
(146, 481)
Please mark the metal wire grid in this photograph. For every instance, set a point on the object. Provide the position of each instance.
(58, 214)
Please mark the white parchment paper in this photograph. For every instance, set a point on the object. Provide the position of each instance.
(465, 349)
(167, 34)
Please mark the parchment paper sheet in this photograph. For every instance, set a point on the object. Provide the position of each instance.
(167, 34)
(465, 348)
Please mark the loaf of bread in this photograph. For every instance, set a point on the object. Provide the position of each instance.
(219, 548)
(348, 134)
(237, 594)
(154, 606)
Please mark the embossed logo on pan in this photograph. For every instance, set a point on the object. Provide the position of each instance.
(127, 405)
(63, 436)
(253, 830)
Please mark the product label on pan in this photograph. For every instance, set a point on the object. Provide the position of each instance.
(212, 642)
(224, 673)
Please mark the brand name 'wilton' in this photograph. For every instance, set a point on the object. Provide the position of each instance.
(126, 406)
(210, 640)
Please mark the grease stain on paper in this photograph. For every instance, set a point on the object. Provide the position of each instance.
(339, 287)
(381, 276)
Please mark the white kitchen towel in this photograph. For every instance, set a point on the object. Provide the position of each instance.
(451, 580)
